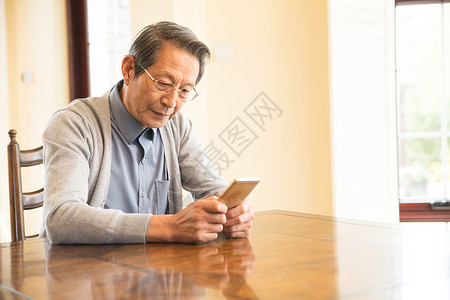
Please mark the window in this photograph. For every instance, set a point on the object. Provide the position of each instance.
(109, 39)
(423, 102)
(423, 98)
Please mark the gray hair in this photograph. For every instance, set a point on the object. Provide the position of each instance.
(149, 40)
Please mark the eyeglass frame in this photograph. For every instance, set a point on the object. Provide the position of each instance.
(172, 88)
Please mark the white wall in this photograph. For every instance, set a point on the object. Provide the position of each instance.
(363, 117)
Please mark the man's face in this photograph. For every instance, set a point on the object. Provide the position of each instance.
(141, 98)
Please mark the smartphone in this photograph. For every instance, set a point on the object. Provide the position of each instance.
(238, 190)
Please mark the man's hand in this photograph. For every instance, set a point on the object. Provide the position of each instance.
(239, 221)
(200, 221)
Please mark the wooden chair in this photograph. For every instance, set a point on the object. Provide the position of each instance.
(19, 200)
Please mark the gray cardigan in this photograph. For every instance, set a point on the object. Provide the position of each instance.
(77, 159)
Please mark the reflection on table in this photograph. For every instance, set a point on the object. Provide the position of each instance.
(152, 270)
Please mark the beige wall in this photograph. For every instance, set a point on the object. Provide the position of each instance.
(279, 48)
(37, 42)
(4, 125)
(36, 38)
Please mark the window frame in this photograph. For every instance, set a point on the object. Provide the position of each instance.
(78, 40)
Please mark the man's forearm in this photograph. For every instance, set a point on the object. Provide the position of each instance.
(74, 222)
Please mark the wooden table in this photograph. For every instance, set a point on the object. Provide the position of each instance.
(289, 256)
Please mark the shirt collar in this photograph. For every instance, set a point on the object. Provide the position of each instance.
(127, 124)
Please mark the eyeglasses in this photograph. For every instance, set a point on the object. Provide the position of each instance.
(185, 94)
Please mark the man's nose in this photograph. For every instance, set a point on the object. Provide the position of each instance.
(170, 100)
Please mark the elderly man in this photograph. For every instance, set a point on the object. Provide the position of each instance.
(115, 165)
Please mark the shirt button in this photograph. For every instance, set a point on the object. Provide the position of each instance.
(144, 161)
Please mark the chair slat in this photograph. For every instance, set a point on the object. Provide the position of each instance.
(33, 199)
(31, 157)
(32, 236)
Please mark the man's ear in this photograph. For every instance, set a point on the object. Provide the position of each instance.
(128, 69)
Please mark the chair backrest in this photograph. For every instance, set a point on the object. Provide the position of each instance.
(19, 200)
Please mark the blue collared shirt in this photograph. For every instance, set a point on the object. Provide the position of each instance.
(139, 182)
